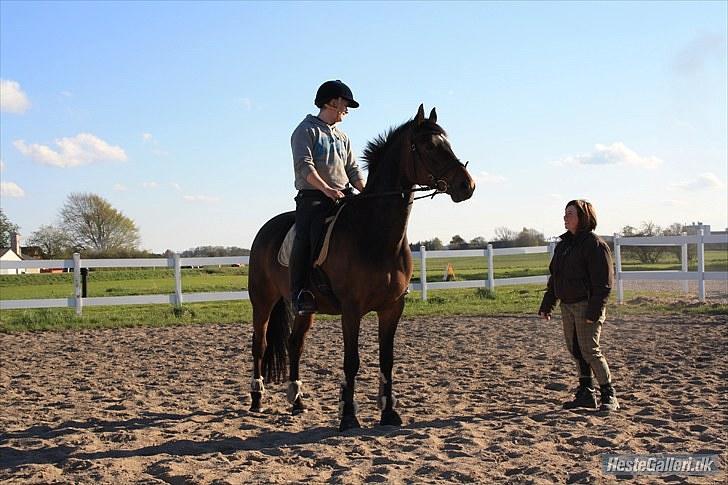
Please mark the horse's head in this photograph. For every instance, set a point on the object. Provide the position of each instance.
(432, 162)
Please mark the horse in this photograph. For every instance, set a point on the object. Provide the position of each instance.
(369, 265)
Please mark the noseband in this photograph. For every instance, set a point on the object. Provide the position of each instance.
(436, 181)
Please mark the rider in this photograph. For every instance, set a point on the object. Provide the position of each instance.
(324, 165)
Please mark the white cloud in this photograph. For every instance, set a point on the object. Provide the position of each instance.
(81, 149)
(175, 186)
(704, 181)
(2, 166)
(488, 178)
(11, 189)
(66, 94)
(120, 188)
(12, 97)
(246, 103)
(147, 137)
(201, 198)
(615, 154)
(150, 185)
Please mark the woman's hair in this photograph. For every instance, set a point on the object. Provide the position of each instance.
(587, 214)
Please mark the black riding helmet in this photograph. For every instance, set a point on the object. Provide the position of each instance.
(334, 89)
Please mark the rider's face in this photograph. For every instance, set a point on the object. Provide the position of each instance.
(340, 107)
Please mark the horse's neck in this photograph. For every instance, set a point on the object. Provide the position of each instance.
(389, 211)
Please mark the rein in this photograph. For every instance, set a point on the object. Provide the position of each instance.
(401, 193)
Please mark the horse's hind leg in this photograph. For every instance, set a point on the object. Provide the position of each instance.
(301, 326)
(262, 308)
(388, 320)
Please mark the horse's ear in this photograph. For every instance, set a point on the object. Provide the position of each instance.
(433, 116)
(420, 117)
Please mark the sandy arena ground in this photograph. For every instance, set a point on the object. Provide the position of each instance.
(481, 399)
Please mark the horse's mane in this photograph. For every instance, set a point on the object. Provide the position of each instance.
(373, 155)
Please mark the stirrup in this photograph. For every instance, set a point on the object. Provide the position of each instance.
(303, 307)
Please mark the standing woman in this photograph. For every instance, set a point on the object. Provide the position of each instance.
(581, 277)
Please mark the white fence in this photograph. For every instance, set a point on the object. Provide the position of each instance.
(487, 253)
(177, 298)
(78, 301)
(701, 276)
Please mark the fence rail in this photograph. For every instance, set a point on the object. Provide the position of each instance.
(489, 253)
(78, 301)
(701, 276)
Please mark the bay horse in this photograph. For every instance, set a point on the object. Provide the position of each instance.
(369, 265)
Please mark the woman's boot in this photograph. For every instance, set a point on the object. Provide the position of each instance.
(585, 395)
(609, 398)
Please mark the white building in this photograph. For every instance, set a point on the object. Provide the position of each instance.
(14, 253)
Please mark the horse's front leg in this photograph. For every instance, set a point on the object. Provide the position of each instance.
(348, 408)
(294, 392)
(388, 320)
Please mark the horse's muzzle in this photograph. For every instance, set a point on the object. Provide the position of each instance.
(462, 189)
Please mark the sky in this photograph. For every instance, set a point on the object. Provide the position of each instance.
(180, 114)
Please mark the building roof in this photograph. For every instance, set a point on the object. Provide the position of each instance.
(4, 251)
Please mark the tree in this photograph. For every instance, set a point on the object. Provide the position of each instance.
(645, 254)
(214, 251)
(478, 243)
(457, 242)
(53, 241)
(430, 245)
(503, 233)
(92, 223)
(7, 228)
(529, 237)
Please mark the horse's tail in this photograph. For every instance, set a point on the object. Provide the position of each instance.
(279, 329)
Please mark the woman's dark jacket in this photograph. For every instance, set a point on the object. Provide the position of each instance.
(581, 269)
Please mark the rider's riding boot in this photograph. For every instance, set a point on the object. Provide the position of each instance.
(304, 303)
(585, 396)
(609, 398)
(302, 299)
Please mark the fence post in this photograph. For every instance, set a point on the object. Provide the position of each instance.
(177, 281)
(701, 265)
(77, 291)
(552, 249)
(491, 273)
(423, 272)
(618, 261)
(684, 263)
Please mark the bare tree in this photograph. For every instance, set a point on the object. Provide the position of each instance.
(503, 233)
(92, 223)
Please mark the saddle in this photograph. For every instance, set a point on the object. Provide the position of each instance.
(321, 248)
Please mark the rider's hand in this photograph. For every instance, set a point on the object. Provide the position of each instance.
(544, 315)
(333, 193)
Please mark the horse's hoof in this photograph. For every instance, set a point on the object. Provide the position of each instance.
(298, 408)
(390, 418)
(349, 422)
(257, 409)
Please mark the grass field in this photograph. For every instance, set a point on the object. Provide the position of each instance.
(507, 300)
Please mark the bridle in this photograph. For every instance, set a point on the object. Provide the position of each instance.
(436, 181)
